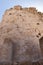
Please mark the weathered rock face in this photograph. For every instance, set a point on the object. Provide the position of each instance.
(21, 37)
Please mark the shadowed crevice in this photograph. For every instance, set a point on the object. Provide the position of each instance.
(7, 52)
(41, 44)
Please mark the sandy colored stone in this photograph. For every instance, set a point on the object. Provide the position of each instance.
(21, 36)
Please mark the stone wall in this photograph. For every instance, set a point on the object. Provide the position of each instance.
(21, 37)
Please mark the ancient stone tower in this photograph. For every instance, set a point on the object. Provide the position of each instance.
(21, 37)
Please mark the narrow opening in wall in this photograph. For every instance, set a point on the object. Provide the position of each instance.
(41, 44)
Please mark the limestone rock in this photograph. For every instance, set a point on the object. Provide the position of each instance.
(21, 36)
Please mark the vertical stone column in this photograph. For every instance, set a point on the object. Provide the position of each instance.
(6, 52)
(20, 56)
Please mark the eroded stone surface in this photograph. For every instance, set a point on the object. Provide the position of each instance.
(21, 30)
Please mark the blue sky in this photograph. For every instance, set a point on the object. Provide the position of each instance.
(6, 4)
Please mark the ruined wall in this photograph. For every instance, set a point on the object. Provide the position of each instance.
(21, 31)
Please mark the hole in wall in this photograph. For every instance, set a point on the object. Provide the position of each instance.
(37, 23)
(39, 34)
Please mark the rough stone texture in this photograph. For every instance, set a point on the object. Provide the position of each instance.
(21, 37)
